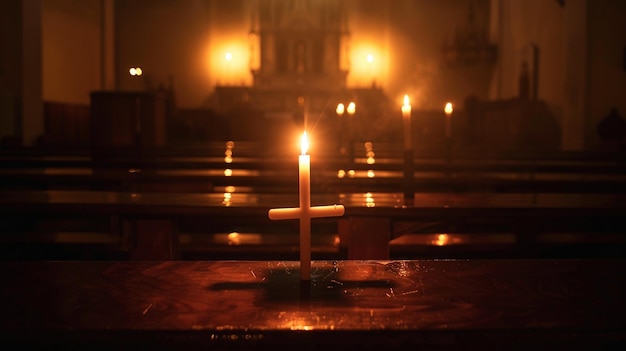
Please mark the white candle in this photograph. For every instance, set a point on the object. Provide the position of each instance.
(448, 110)
(305, 205)
(305, 212)
(406, 117)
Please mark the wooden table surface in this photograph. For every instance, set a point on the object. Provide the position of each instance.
(439, 304)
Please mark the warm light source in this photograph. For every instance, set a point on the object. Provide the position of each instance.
(227, 199)
(368, 62)
(233, 238)
(448, 109)
(228, 60)
(442, 240)
(351, 108)
(304, 144)
(407, 104)
(135, 71)
(406, 120)
(340, 109)
(369, 200)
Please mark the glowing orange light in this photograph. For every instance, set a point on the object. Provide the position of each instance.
(336, 240)
(448, 109)
(135, 71)
(340, 109)
(442, 239)
(368, 61)
(304, 143)
(228, 60)
(233, 238)
(406, 109)
(227, 199)
(369, 200)
(351, 108)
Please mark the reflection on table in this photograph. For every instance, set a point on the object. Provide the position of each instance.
(443, 303)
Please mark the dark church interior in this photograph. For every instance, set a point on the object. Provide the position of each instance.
(337, 174)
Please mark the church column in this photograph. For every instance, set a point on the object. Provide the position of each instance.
(31, 125)
(576, 72)
(107, 50)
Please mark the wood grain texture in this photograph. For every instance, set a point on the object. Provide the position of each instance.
(344, 295)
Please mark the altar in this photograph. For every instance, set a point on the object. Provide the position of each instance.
(364, 305)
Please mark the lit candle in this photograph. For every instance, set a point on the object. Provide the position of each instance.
(340, 109)
(408, 151)
(305, 205)
(341, 137)
(406, 117)
(351, 108)
(305, 212)
(448, 110)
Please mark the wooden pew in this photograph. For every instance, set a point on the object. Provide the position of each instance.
(276, 174)
(150, 225)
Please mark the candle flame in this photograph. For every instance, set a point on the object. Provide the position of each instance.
(406, 100)
(340, 109)
(351, 108)
(448, 109)
(304, 143)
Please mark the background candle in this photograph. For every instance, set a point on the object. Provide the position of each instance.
(408, 152)
(305, 205)
(448, 110)
(406, 118)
